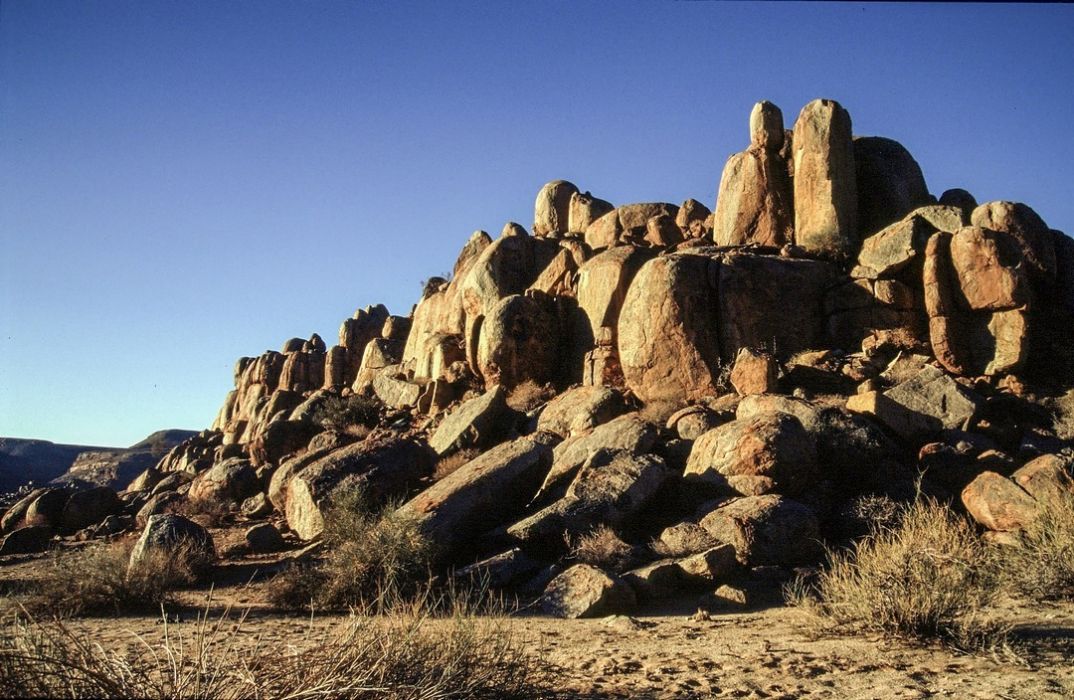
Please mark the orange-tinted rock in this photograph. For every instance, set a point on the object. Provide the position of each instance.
(767, 453)
(998, 503)
(825, 182)
(668, 343)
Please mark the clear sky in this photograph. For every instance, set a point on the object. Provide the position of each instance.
(183, 183)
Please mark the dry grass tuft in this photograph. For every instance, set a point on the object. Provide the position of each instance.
(448, 465)
(207, 513)
(684, 545)
(342, 412)
(372, 553)
(1041, 565)
(405, 655)
(603, 548)
(928, 578)
(97, 581)
(529, 395)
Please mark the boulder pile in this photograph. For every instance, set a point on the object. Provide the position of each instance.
(713, 389)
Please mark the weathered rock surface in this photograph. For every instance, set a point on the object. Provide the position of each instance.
(751, 290)
(264, 538)
(922, 406)
(281, 438)
(625, 224)
(668, 343)
(825, 181)
(754, 373)
(998, 503)
(227, 483)
(584, 210)
(580, 409)
(987, 267)
(610, 487)
(1028, 231)
(88, 507)
(520, 341)
(379, 468)
(167, 534)
(626, 433)
(766, 530)
(768, 453)
(586, 591)
(754, 204)
(1046, 477)
(483, 493)
(892, 249)
(476, 423)
(551, 211)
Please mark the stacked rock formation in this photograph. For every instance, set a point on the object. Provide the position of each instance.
(723, 382)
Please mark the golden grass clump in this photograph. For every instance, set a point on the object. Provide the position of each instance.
(926, 578)
(1040, 565)
(603, 548)
(448, 465)
(402, 655)
(98, 580)
(370, 552)
(530, 395)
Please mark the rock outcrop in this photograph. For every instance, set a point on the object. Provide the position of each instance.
(643, 400)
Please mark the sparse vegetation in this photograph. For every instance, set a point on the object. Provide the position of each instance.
(602, 547)
(447, 465)
(684, 546)
(207, 513)
(97, 581)
(402, 655)
(1041, 565)
(530, 395)
(373, 553)
(927, 578)
(343, 412)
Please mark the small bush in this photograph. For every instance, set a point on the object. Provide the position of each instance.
(602, 548)
(97, 580)
(207, 513)
(404, 655)
(1041, 564)
(343, 412)
(371, 553)
(684, 546)
(926, 578)
(530, 395)
(448, 465)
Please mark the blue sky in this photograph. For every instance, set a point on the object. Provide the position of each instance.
(185, 183)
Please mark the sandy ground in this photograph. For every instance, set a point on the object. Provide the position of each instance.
(671, 652)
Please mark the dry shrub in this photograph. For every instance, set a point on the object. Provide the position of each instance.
(530, 395)
(372, 552)
(685, 545)
(1041, 564)
(448, 465)
(341, 412)
(97, 580)
(205, 512)
(603, 548)
(404, 655)
(358, 431)
(927, 578)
